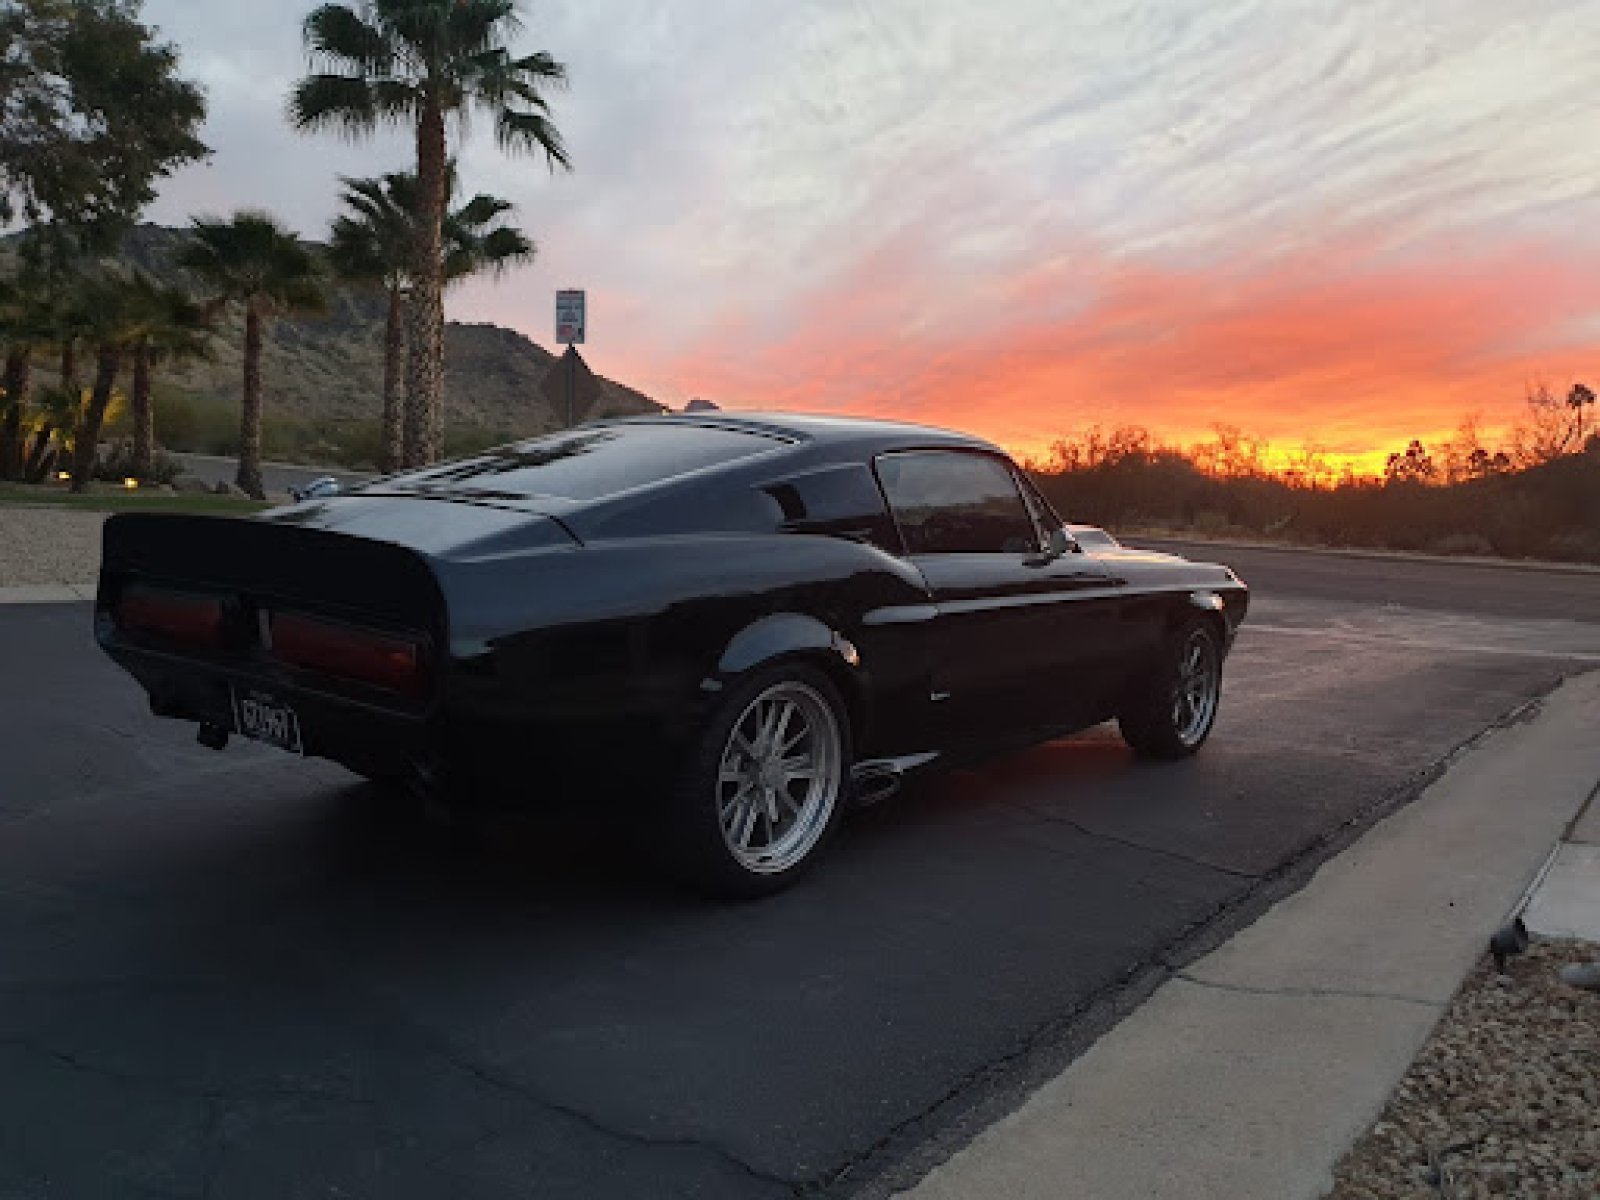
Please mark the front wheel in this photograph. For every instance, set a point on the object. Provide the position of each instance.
(764, 787)
(1171, 714)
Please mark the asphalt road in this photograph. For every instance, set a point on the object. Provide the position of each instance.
(231, 975)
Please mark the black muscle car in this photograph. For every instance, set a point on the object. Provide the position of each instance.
(751, 620)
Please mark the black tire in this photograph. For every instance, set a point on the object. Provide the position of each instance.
(697, 848)
(1171, 714)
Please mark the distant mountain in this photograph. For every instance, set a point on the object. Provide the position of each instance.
(331, 367)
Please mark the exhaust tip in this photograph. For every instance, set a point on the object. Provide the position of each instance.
(212, 736)
(875, 787)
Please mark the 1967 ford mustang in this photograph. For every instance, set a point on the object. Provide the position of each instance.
(752, 620)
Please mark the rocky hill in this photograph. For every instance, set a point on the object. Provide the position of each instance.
(330, 367)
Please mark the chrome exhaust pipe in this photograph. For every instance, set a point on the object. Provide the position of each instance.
(873, 787)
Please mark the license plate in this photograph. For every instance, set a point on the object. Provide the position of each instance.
(266, 719)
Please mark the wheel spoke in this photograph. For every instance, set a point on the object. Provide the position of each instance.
(729, 807)
(751, 812)
(794, 806)
(781, 725)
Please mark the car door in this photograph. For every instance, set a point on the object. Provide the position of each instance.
(1086, 630)
(999, 597)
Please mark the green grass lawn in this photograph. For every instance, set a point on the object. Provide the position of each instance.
(57, 495)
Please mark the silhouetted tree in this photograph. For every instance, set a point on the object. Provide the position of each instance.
(1413, 466)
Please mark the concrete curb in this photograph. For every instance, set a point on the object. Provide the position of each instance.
(48, 593)
(1250, 1073)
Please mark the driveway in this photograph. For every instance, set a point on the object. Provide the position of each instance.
(236, 975)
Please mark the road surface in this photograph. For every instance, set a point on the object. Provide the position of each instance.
(231, 975)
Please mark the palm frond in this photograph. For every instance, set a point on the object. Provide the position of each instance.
(250, 257)
(483, 24)
(342, 102)
(481, 210)
(530, 133)
(505, 248)
(336, 35)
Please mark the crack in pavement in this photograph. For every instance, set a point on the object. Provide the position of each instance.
(219, 1100)
(494, 1079)
(1130, 843)
(1307, 993)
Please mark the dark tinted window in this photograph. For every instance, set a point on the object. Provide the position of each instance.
(953, 503)
(589, 464)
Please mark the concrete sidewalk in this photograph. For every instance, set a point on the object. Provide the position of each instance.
(1252, 1071)
(47, 593)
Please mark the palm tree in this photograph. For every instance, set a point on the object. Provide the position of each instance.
(23, 325)
(67, 315)
(253, 261)
(420, 64)
(170, 325)
(374, 242)
(110, 311)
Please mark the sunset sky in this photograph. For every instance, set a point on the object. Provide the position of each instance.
(1343, 222)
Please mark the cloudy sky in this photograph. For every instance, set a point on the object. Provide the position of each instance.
(1343, 222)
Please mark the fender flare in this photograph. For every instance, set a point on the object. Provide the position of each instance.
(780, 634)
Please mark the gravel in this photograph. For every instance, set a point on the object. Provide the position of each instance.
(1504, 1100)
(41, 545)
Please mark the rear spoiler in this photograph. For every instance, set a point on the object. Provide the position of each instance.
(272, 561)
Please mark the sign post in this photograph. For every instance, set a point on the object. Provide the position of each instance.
(572, 319)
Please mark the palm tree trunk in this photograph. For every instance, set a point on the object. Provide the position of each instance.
(144, 420)
(108, 362)
(69, 374)
(249, 477)
(39, 459)
(72, 399)
(425, 373)
(394, 367)
(17, 376)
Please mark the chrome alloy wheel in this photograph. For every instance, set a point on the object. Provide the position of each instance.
(780, 777)
(1199, 683)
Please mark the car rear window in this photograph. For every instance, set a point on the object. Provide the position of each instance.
(591, 464)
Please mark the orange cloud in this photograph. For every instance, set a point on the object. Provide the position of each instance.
(1345, 346)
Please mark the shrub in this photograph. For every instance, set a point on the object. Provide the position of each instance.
(117, 465)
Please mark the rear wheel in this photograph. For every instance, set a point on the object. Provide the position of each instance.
(765, 785)
(1172, 713)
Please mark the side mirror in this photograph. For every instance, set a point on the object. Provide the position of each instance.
(1059, 544)
(1063, 543)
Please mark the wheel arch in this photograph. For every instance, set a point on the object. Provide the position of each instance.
(798, 637)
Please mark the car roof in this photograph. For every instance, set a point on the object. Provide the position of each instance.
(837, 432)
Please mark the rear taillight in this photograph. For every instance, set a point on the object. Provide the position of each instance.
(330, 648)
(183, 618)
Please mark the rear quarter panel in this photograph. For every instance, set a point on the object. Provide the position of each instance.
(637, 638)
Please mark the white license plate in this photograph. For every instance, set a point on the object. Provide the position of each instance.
(266, 719)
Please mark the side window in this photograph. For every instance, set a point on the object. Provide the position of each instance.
(952, 502)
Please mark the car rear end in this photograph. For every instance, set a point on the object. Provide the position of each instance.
(317, 642)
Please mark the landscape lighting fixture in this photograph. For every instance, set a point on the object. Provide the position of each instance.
(130, 483)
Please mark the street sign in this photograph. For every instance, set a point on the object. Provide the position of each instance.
(571, 318)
